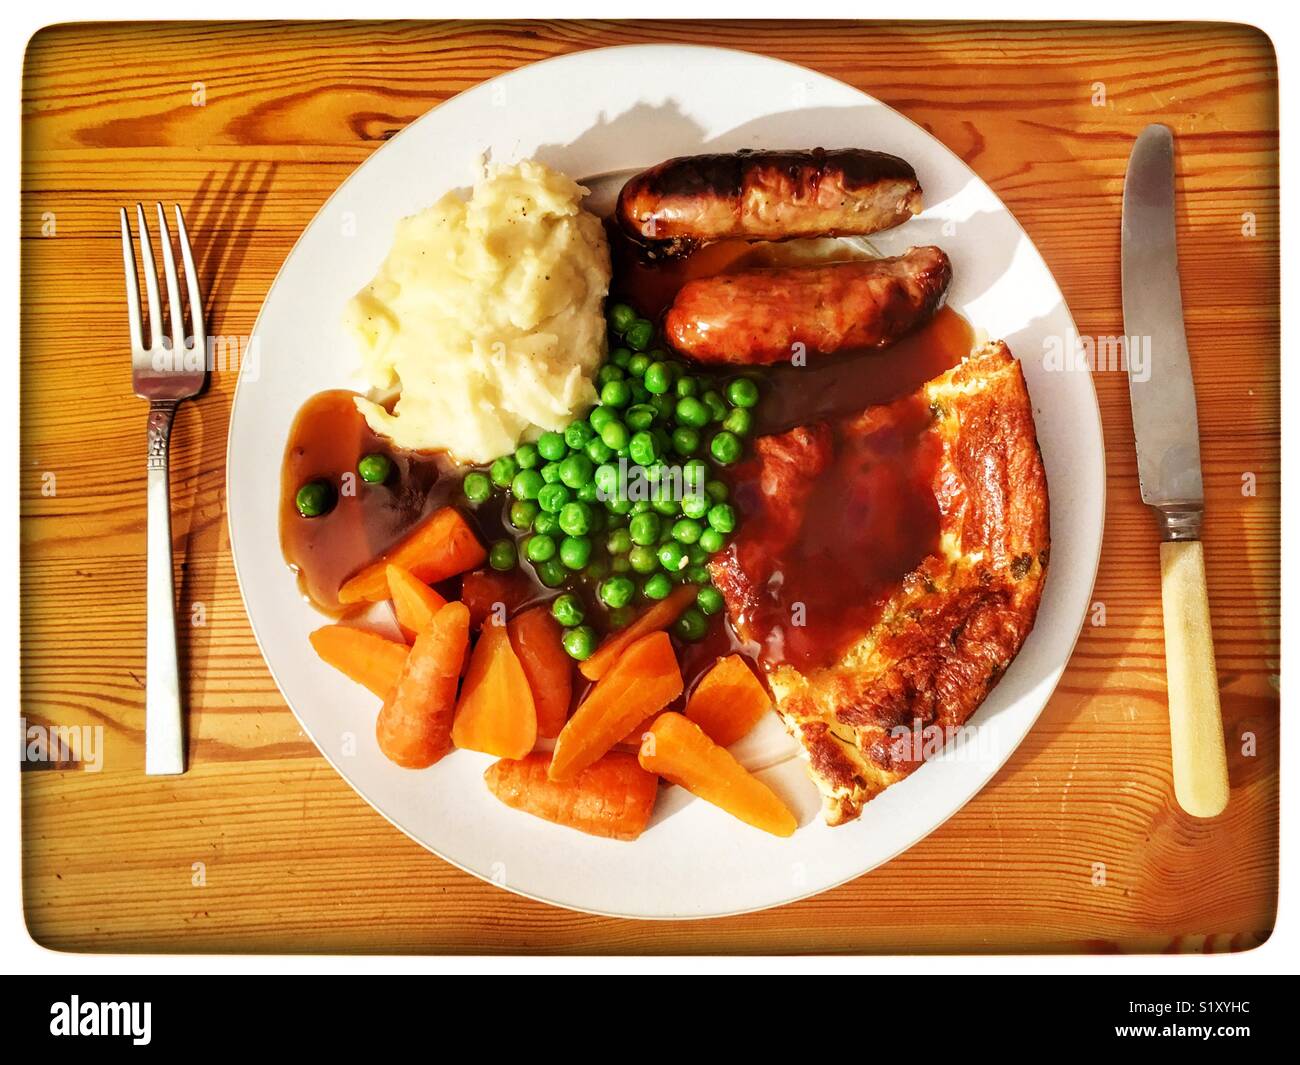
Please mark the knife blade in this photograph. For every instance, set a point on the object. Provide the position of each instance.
(1167, 435)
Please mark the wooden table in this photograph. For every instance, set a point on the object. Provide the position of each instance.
(1076, 845)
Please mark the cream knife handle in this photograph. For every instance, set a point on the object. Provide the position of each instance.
(1195, 722)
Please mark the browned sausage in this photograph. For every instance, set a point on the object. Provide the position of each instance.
(761, 195)
(758, 317)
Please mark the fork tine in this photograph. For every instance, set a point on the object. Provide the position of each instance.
(150, 280)
(174, 306)
(132, 284)
(192, 284)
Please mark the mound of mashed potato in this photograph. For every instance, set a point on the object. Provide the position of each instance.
(487, 315)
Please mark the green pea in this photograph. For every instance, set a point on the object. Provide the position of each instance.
(643, 448)
(709, 599)
(598, 451)
(672, 556)
(567, 610)
(620, 357)
(697, 574)
(692, 625)
(696, 504)
(615, 435)
(742, 392)
(575, 552)
(686, 531)
(712, 541)
(640, 416)
(616, 394)
(527, 484)
(619, 564)
(579, 642)
(644, 529)
(688, 386)
(637, 365)
(619, 507)
(596, 569)
(578, 434)
(588, 493)
(669, 508)
(606, 481)
(477, 487)
(621, 317)
(686, 440)
(552, 498)
(658, 378)
(546, 523)
(695, 473)
(575, 519)
(551, 572)
(641, 506)
(552, 446)
(600, 417)
(523, 512)
(639, 334)
(722, 518)
(375, 468)
(576, 470)
(738, 421)
(725, 447)
(692, 412)
(657, 586)
(717, 491)
(665, 407)
(616, 591)
(527, 456)
(610, 372)
(502, 555)
(717, 406)
(503, 471)
(539, 547)
(621, 618)
(551, 472)
(695, 554)
(314, 498)
(619, 542)
(643, 559)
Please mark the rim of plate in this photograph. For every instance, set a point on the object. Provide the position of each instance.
(1052, 678)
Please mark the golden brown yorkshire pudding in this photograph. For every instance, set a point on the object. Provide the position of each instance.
(889, 566)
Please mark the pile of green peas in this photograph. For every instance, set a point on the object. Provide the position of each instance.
(574, 527)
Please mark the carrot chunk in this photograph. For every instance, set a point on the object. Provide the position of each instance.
(439, 547)
(657, 618)
(414, 726)
(495, 714)
(728, 701)
(414, 602)
(645, 679)
(483, 589)
(535, 635)
(613, 797)
(365, 657)
(680, 752)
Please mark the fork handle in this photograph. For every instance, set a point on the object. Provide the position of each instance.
(164, 734)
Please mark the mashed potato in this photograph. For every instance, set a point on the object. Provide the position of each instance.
(487, 315)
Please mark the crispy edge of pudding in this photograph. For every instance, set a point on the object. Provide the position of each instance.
(953, 625)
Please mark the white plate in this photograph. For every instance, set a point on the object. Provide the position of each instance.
(592, 113)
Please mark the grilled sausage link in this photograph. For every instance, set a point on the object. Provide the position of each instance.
(756, 317)
(762, 195)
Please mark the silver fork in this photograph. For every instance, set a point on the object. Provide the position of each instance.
(163, 373)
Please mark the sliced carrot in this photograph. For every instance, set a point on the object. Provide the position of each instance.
(414, 602)
(638, 731)
(728, 701)
(535, 635)
(645, 679)
(679, 751)
(613, 797)
(495, 713)
(658, 617)
(414, 726)
(483, 589)
(439, 547)
(366, 657)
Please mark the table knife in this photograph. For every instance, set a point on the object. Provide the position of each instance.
(1169, 468)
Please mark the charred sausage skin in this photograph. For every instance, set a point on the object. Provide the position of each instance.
(757, 317)
(767, 195)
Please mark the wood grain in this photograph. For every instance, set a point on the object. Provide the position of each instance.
(261, 846)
